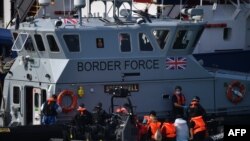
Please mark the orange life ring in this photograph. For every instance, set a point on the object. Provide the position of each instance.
(73, 104)
(235, 92)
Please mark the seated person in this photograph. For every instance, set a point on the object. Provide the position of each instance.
(82, 120)
(99, 115)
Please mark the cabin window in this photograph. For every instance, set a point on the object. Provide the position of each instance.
(197, 37)
(72, 42)
(29, 46)
(99, 43)
(16, 95)
(15, 35)
(182, 39)
(125, 42)
(52, 43)
(20, 41)
(145, 44)
(44, 96)
(227, 33)
(161, 36)
(42, 100)
(39, 42)
(36, 101)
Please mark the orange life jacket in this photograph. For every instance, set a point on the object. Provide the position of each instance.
(180, 99)
(142, 129)
(50, 100)
(199, 124)
(154, 126)
(170, 130)
(81, 109)
(149, 120)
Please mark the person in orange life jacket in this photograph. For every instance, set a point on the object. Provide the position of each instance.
(178, 101)
(195, 104)
(153, 126)
(143, 127)
(197, 127)
(81, 122)
(50, 109)
(148, 118)
(168, 130)
(83, 116)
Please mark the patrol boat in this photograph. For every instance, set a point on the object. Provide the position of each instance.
(227, 26)
(82, 60)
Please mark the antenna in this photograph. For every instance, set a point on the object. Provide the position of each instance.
(114, 8)
(162, 3)
(180, 7)
(44, 3)
(79, 4)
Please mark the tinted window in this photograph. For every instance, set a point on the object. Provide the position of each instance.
(99, 43)
(182, 39)
(198, 35)
(15, 35)
(16, 95)
(20, 41)
(145, 45)
(52, 43)
(44, 96)
(125, 42)
(39, 42)
(227, 33)
(161, 36)
(36, 100)
(29, 46)
(72, 42)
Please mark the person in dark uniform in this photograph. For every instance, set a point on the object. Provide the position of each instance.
(178, 100)
(99, 115)
(100, 118)
(83, 117)
(81, 121)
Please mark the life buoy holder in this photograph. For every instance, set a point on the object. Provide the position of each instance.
(73, 103)
(235, 92)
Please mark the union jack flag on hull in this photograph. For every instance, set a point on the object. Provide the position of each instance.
(176, 63)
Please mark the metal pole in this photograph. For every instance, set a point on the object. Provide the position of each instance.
(114, 6)
(88, 8)
(80, 15)
(162, 8)
(180, 7)
(63, 8)
(105, 14)
(70, 7)
(130, 12)
(44, 11)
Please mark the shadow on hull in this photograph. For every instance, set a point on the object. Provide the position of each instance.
(233, 60)
(31, 133)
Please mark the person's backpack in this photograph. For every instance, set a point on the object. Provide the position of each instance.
(158, 135)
